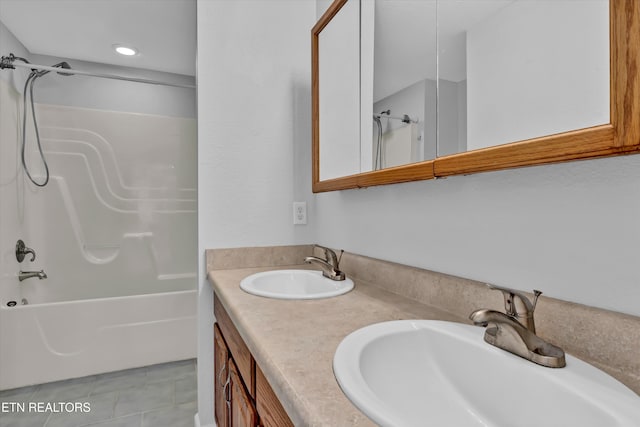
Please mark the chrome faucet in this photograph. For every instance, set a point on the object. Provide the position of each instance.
(330, 265)
(515, 331)
(28, 274)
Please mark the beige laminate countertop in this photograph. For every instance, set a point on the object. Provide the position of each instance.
(293, 341)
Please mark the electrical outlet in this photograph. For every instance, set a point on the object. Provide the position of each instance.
(299, 212)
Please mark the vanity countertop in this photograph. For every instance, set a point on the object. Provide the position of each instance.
(293, 341)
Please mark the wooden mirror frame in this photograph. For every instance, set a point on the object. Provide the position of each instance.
(620, 136)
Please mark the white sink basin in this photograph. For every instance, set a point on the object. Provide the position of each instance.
(427, 372)
(294, 284)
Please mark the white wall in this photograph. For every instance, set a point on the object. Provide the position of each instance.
(115, 95)
(452, 122)
(462, 115)
(550, 75)
(254, 138)
(569, 229)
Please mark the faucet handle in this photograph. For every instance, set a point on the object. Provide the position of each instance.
(509, 300)
(340, 257)
(22, 250)
(536, 294)
(330, 255)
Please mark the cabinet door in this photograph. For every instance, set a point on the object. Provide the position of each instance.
(272, 414)
(237, 347)
(221, 370)
(243, 412)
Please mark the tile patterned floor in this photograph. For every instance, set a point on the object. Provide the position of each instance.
(153, 396)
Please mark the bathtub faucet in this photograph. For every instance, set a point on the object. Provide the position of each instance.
(28, 274)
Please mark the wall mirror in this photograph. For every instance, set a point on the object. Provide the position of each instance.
(518, 82)
(399, 74)
(511, 70)
(339, 104)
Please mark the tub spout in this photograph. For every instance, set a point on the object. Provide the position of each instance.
(28, 274)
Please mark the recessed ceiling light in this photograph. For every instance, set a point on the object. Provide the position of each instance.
(125, 50)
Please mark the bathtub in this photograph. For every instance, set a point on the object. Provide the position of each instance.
(47, 342)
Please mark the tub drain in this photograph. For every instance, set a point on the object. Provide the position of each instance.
(11, 304)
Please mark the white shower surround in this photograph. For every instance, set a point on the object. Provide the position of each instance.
(115, 231)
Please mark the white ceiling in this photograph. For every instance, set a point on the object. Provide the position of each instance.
(163, 31)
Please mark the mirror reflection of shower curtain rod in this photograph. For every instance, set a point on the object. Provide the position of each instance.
(104, 76)
(405, 118)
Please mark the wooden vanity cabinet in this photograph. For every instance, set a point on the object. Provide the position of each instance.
(234, 406)
(221, 369)
(243, 397)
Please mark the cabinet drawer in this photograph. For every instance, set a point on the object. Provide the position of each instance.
(238, 349)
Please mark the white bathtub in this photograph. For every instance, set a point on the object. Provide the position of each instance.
(53, 341)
